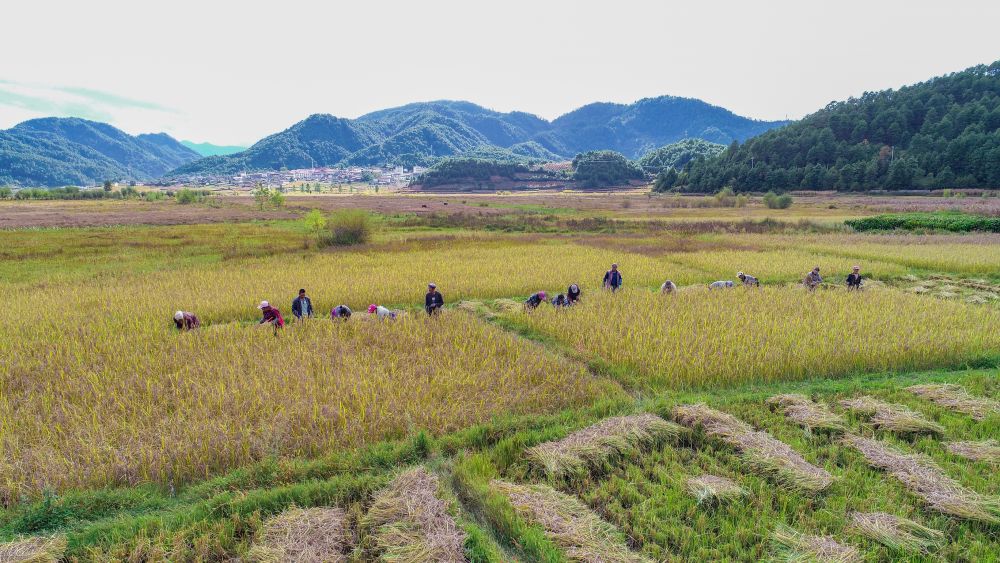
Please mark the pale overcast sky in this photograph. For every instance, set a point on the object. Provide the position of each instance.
(230, 72)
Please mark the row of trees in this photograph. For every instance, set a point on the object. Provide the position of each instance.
(941, 133)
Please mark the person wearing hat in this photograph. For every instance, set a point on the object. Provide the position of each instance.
(302, 306)
(560, 300)
(535, 300)
(854, 278)
(433, 301)
(613, 278)
(668, 287)
(813, 279)
(342, 312)
(572, 294)
(271, 315)
(186, 321)
(381, 312)
(748, 280)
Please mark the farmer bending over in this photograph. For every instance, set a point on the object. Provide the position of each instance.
(342, 312)
(302, 306)
(572, 294)
(813, 279)
(854, 278)
(535, 300)
(560, 301)
(721, 284)
(613, 278)
(748, 280)
(433, 301)
(668, 287)
(271, 315)
(186, 321)
(381, 312)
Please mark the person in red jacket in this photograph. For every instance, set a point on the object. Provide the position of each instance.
(271, 316)
(186, 321)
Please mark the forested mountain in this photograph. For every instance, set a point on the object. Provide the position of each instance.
(209, 149)
(941, 133)
(421, 133)
(59, 151)
(677, 155)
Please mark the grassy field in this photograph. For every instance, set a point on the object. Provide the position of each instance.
(124, 439)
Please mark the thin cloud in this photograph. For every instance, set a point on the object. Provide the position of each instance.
(20, 101)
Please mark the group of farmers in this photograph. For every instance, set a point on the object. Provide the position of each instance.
(433, 301)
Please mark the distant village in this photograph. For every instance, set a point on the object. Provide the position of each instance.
(378, 176)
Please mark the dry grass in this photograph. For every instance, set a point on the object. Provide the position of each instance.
(791, 545)
(572, 526)
(759, 450)
(894, 532)
(892, 417)
(955, 397)
(33, 550)
(712, 489)
(596, 447)
(988, 450)
(924, 478)
(312, 535)
(407, 522)
(807, 413)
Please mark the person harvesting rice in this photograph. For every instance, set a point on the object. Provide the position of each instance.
(302, 306)
(812, 279)
(270, 315)
(186, 321)
(381, 312)
(613, 278)
(854, 280)
(572, 294)
(433, 301)
(721, 284)
(748, 280)
(535, 300)
(342, 312)
(668, 287)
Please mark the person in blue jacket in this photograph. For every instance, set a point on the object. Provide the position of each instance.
(302, 307)
(613, 278)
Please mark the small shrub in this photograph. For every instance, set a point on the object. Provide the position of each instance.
(349, 226)
(725, 198)
(775, 201)
(187, 196)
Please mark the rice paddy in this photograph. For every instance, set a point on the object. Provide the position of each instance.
(491, 433)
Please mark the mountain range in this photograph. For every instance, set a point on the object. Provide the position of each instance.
(420, 133)
(208, 149)
(59, 151)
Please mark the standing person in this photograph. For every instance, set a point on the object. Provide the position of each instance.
(854, 278)
(572, 294)
(186, 321)
(302, 306)
(433, 301)
(535, 300)
(668, 287)
(381, 312)
(613, 278)
(812, 279)
(342, 312)
(271, 316)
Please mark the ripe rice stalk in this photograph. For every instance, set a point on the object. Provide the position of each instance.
(988, 450)
(808, 413)
(924, 478)
(310, 535)
(33, 550)
(759, 450)
(597, 446)
(569, 523)
(408, 522)
(896, 533)
(892, 417)
(956, 397)
(791, 545)
(712, 489)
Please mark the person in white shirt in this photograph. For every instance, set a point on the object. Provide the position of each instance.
(381, 312)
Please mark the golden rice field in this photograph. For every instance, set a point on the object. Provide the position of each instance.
(699, 337)
(125, 400)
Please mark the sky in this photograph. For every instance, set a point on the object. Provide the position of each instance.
(232, 72)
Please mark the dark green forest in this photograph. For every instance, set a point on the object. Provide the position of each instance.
(677, 155)
(942, 133)
(594, 169)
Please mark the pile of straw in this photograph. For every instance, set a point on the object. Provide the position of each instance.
(407, 522)
(791, 545)
(712, 489)
(924, 478)
(808, 413)
(988, 450)
(894, 532)
(569, 523)
(957, 398)
(759, 450)
(33, 550)
(311, 535)
(597, 446)
(892, 417)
